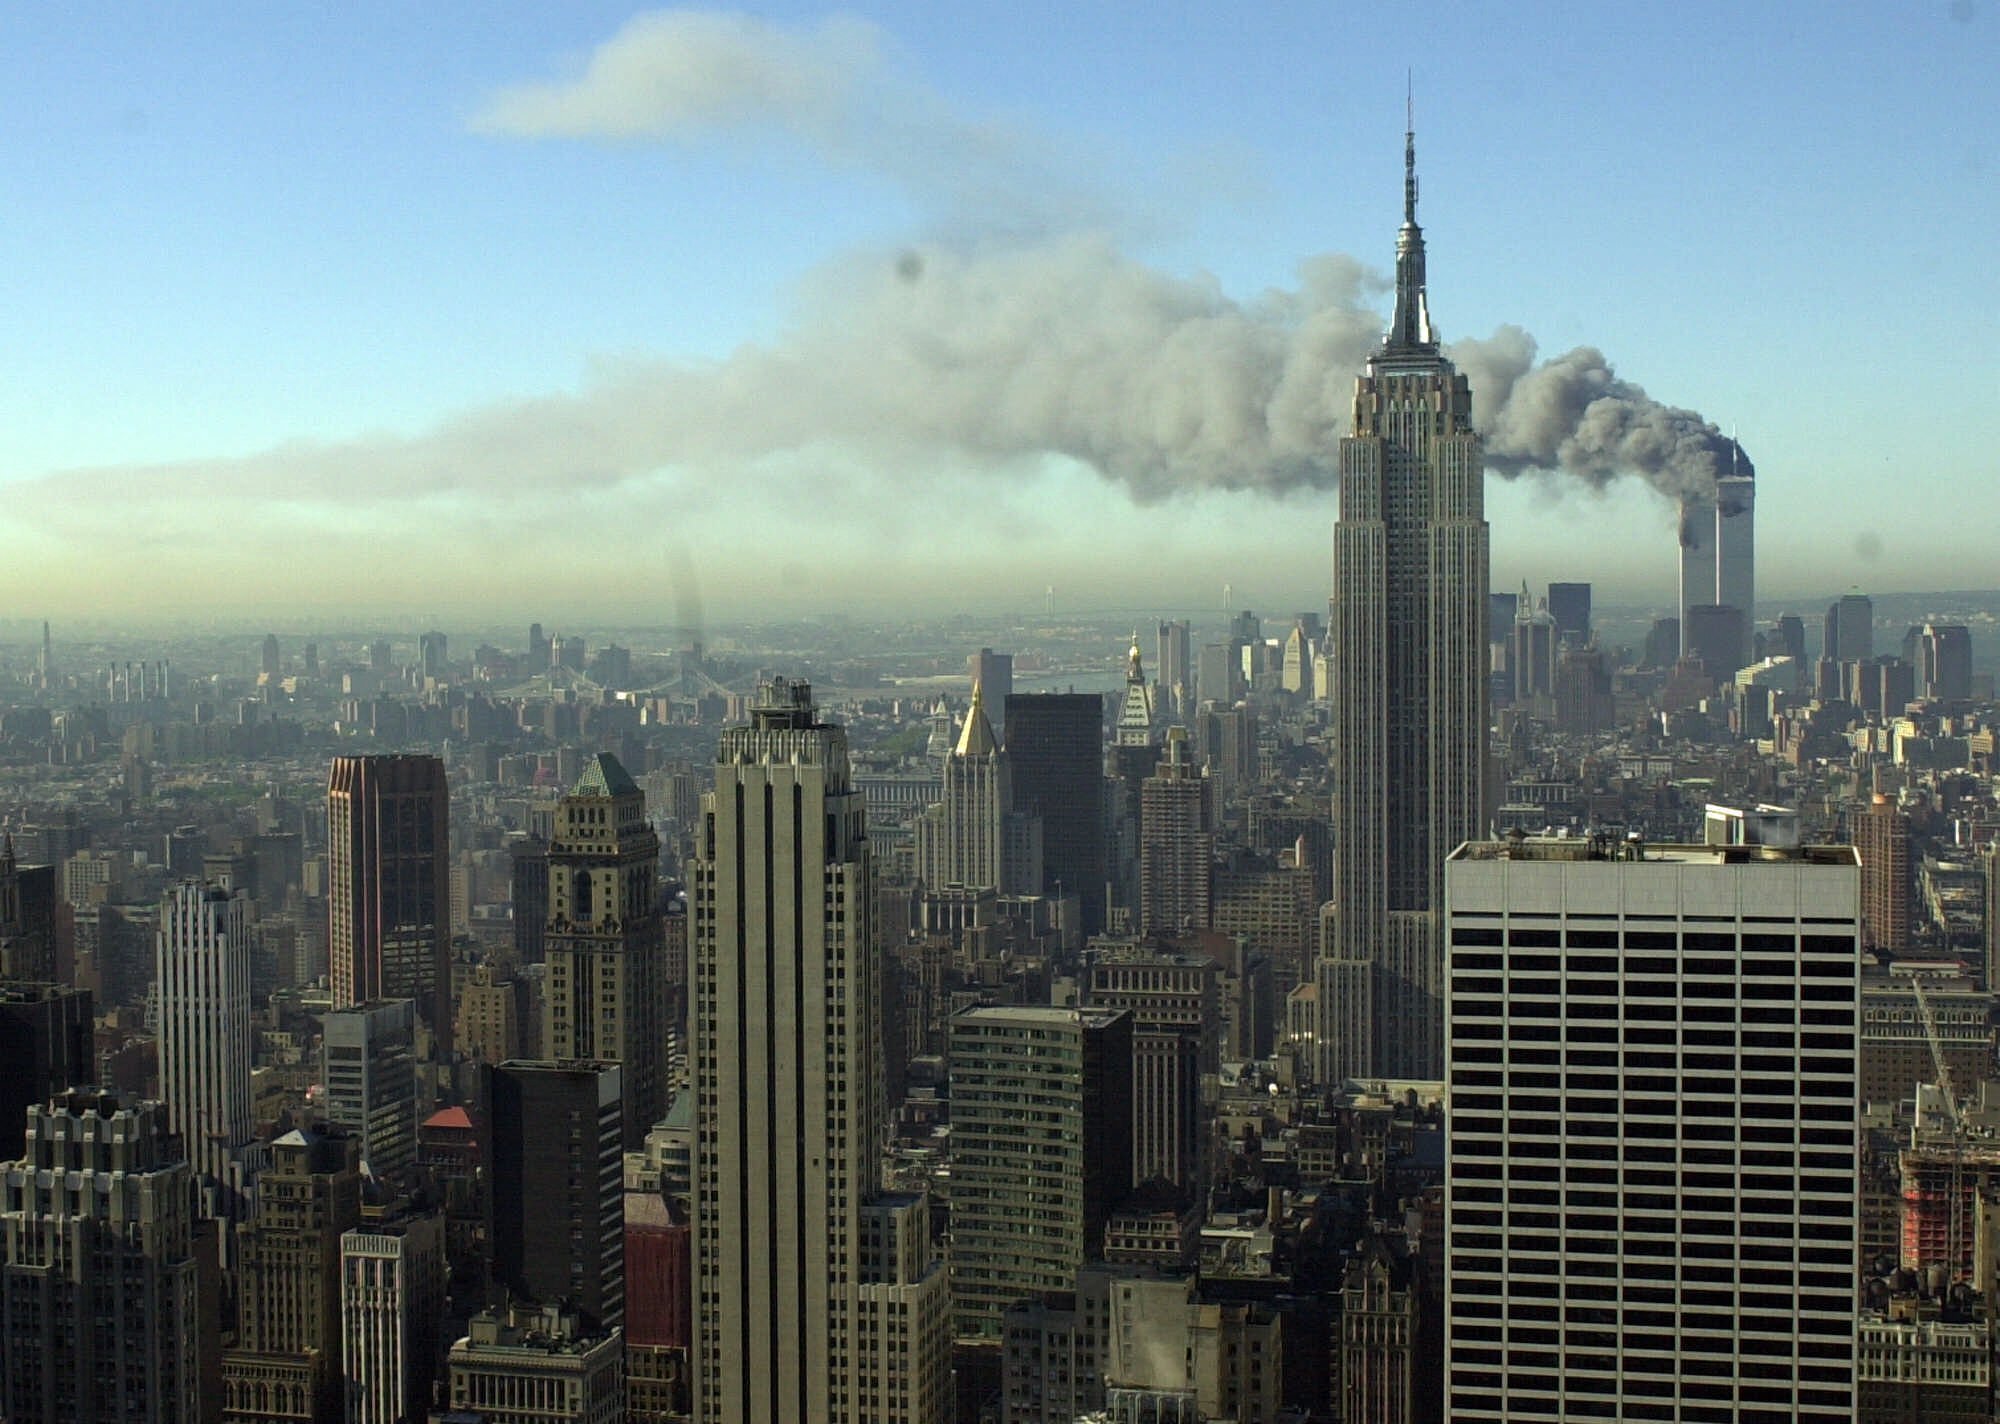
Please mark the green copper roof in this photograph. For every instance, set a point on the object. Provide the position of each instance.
(603, 776)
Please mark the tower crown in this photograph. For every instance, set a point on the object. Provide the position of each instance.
(1411, 328)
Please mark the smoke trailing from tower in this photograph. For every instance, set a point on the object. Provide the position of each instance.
(1161, 383)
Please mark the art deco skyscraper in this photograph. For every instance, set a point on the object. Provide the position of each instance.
(1409, 604)
(286, 1362)
(809, 1309)
(389, 895)
(963, 839)
(605, 995)
(98, 1275)
(202, 975)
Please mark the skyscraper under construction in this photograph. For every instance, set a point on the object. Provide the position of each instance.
(1410, 560)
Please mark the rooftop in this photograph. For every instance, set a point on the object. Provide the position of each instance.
(1581, 848)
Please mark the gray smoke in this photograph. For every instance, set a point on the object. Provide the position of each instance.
(1161, 383)
(1575, 415)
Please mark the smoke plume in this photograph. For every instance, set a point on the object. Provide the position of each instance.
(1575, 415)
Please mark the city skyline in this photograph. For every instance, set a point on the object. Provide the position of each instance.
(445, 298)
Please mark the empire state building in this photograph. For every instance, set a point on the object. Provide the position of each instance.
(1410, 556)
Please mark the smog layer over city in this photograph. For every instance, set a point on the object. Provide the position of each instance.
(875, 715)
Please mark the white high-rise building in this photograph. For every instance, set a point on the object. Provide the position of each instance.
(201, 968)
(790, 1270)
(1410, 687)
(392, 1298)
(1650, 1184)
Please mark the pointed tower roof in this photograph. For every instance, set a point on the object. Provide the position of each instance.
(976, 737)
(1411, 330)
(604, 776)
(1135, 717)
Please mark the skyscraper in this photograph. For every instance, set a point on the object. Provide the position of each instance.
(45, 1050)
(369, 1074)
(27, 919)
(798, 1300)
(1849, 635)
(993, 675)
(972, 836)
(202, 978)
(1697, 551)
(1041, 1150)
(1736, 549)
(1176, 843)
(1174, 668)
(605, 995)
(1650, 1182)
(555, 1159)
(389, 884)
(286, 1361)
(392, 1282)
(1055, 744)
(1569, 605)
(1410, 686)
(1882, 838)
(98, 1276)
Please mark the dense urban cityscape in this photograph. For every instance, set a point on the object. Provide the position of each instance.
(1443, 1003)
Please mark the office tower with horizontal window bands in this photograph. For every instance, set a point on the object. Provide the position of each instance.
(1651, 1194)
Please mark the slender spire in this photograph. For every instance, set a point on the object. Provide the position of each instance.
(1409, 151)
(1412, 326)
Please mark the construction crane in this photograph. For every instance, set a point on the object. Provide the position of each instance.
(1955, 1202)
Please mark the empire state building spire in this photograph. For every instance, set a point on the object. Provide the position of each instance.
(1411, 329)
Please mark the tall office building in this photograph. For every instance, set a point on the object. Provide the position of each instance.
(1718, 552)
(605, 994)
(46, 1048)
(1176, 843)
(368, 1071)
(1055, 744)
(1736, 549)
(286, 1361)
(1882, 839)
(1569, 606)
(201, 976)
(554, 1154)
(1134, 753)
(1944, 661)
(98, 1284)
(1849, 630)
(992, 675)
(1650, 1185)
(27, 919)
(963, 839)
(1175, 1003)
(389, 884)
(392, 1301)
(1410, 599)
(1041, 1151)
(787, 1019)
(1174, 668)
(1697, 554)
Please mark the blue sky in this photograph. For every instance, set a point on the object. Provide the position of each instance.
(390, 306)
